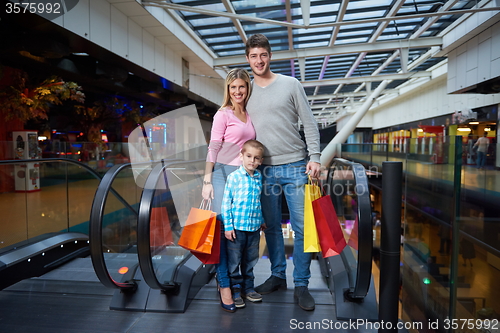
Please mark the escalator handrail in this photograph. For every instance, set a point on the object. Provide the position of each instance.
(95, 232)
(365, 240)
(143, 225)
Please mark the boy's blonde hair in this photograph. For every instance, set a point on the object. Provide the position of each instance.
(254, 144)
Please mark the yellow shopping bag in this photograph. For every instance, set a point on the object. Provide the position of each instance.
(311, 241)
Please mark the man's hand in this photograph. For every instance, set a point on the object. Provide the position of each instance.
(230, 235)
(313, 168)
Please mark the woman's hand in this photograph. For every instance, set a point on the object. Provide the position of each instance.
(207, 192)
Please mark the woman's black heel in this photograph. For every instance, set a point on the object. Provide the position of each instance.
(226, 307)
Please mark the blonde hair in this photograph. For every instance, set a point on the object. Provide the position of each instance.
(254, 144)
(236, 73)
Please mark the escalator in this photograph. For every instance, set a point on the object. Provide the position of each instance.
(136, 267)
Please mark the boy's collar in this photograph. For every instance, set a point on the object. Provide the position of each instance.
(255, 172)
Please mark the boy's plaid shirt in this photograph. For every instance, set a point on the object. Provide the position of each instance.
(241, 209)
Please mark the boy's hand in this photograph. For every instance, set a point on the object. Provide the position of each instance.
(263, 227)
(231, 235)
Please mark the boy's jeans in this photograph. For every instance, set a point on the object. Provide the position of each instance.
(288, 179)
(243, 254)
(219, 177)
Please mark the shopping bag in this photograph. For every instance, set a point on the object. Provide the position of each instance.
(311, 193)
(214, 256)
(353, 237)
(198, 232)
(331, 237)
(160, 233)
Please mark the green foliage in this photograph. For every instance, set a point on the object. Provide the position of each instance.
(24, 101)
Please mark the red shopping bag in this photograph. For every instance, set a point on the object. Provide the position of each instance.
(198, 233)
(214, 256)
(331, 237)
(160, 232)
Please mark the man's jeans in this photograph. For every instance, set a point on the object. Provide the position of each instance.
(481, 159)
(219, 177)
(243, 254)
(287, 179)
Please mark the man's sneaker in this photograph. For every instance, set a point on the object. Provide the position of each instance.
(253, 296)
(272, 284)
(304, 298)
(238, 301)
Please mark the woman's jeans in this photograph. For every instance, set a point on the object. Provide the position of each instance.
(243, 254)
(219, 177)
(288, 180)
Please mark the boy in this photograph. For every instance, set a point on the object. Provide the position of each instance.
(242, 217)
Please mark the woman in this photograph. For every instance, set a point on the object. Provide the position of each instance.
(231, 128)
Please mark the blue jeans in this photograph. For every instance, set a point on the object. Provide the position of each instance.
(287, 179)
(219, 177)
(481, 159)
(243, 254)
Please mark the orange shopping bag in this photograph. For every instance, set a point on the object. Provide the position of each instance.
(331, 237)
(353, 238)
(214, 257)
(198, 233)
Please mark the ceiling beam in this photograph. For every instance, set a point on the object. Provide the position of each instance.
(289, 30)
(237, 24)
(424, 42)
(333, 38)
(349, 94)
(167, 5)
(305, 6)
(370, 78)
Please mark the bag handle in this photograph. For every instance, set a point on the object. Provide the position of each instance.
(315, 182)
(206, 204)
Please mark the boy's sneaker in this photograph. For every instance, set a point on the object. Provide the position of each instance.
(238, 301)
(253, 296)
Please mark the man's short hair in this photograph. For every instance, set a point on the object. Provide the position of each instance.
(257, 40)
(254, 144)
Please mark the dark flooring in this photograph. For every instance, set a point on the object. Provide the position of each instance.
(71, 299)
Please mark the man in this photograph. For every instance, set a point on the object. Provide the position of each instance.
(276, 105)
(482, 148)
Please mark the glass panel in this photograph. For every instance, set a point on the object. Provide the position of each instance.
(344, 196)
(171, 206)
(364, 15)
(40, 198)
(119, 226)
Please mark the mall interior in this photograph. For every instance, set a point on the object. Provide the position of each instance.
(107, 108)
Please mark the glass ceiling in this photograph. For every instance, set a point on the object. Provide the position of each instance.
(344, 35)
